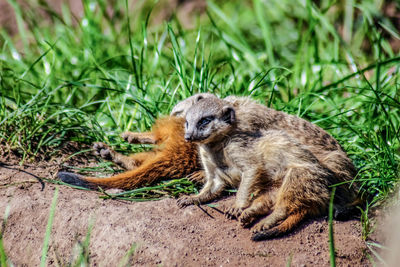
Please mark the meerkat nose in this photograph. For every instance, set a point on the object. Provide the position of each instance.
(188, 137)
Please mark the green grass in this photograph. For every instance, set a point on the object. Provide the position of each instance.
(3, 255)
(46, 241)
(168, 188)
(89, 79)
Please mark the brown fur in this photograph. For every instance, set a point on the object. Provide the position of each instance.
(172, 158)
(288, 163)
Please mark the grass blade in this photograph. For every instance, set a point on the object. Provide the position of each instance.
(48, 229)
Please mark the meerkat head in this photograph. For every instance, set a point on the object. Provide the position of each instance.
(182, 107)
(208, 120)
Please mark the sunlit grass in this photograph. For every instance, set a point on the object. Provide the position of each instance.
(91, 78)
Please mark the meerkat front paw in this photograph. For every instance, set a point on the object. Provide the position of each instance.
(197, 177)
(260, 227)
(186, 201)
(129, 137)
(246, 218)
(233, 212)
(138, 138)
(102, 150)
(257, 228)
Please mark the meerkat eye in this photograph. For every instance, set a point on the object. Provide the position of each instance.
(177, 113)
(205, 121)
(186, 124)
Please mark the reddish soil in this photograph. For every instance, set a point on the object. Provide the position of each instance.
(164, 234)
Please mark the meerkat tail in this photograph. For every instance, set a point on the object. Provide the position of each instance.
(147, 173)
(286, 226)
(74, 179)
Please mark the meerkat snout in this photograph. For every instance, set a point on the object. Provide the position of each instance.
(192, 134)
(188, 137)
(188, 133)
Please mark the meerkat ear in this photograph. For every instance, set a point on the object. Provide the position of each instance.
(199, 97)
(228, 115)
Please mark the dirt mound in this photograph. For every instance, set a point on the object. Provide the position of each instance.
(163, 233)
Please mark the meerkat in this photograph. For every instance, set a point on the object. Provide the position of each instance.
(283, 166)
(172, 157)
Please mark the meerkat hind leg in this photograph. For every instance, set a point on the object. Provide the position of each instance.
(270, 231)
(139, 158)
(300, 195)
(104, 151)
(130, 162)
(276, 216)
(243, 195)
(262, 205)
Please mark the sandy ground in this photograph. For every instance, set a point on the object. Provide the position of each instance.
(164, 235)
